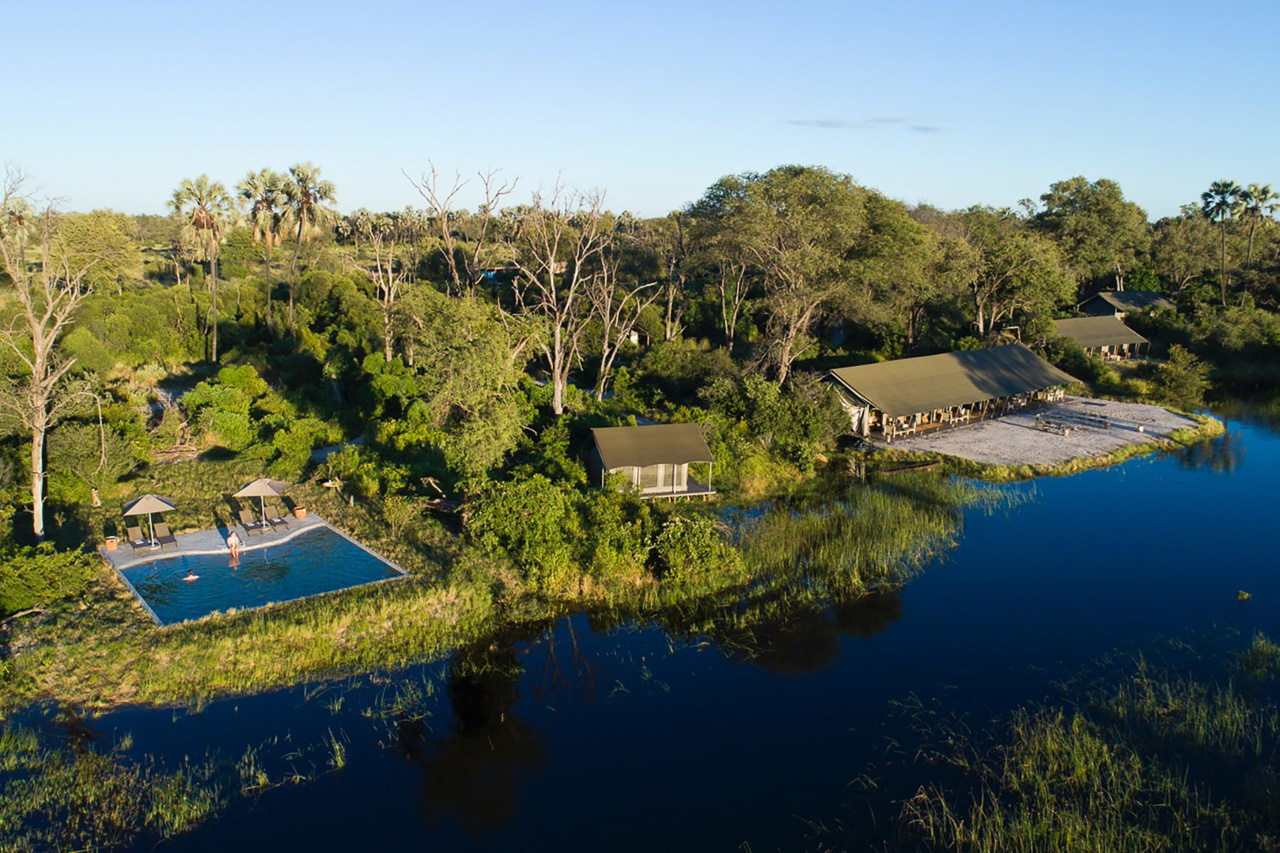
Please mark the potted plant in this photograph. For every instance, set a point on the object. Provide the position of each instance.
(299, 512)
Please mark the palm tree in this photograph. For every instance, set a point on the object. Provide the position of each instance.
(207, 209)
(306, 194)
(1258, 202)
(1218, 204)
(264, 194)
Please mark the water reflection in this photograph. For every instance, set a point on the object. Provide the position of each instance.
(803, 638)
(475, 773)
(1220, 455)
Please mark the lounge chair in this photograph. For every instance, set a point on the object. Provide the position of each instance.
(136, 539)
(250, 524)
(275, 519)
(164, 537)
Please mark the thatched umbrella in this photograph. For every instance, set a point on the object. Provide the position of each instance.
(262, 489)
(146, 505)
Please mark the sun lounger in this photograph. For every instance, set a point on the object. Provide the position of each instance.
(164, 537)
(136, 539)
(275, 519)
(250, 524)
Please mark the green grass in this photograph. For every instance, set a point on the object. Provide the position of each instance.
(65, 797)
(1154, 761)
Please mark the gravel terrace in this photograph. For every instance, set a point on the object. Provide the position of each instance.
(1014, 440)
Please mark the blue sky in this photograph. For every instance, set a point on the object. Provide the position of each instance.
(113, 104)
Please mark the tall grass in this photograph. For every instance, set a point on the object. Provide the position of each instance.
(1156, 762)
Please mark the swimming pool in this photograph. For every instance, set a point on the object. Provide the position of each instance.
(318, 560)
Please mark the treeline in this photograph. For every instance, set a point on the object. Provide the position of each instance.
(258, 321)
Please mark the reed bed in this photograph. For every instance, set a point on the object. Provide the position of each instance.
(1156, 762)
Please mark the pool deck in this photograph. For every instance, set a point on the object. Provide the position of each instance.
(213, 542)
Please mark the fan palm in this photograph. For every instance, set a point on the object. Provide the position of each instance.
(264, 194)
(307, 194)
(1258, 202)
(206, 208)
(1218, 204)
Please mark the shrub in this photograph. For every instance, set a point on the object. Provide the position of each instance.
(40, 576)
(1182, 380)
(691, 552)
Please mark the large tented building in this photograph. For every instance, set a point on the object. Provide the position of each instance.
(654, 458)
(1117, 303)
(1106, 336)
(910, 395)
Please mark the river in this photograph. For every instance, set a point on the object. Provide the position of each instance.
(622, 738)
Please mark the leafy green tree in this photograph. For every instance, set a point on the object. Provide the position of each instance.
(105, 243)
(797, 224)
(1182, 380)
(1099, 232)
(1182, 248)
(1257, 203)
(1219, 204)
(306, 194)
(207, 209)
(264, 195)
(35, 577)
(534, 522)
(1008, 269)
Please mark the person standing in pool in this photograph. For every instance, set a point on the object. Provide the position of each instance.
(233, 545)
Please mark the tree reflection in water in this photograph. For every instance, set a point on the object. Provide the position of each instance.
(1220, 455)
(804, 638)
(475, 773)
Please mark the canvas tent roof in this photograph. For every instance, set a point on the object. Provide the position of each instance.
(652, 444)
(1131, 300)
(911, 385)
(1092, 332)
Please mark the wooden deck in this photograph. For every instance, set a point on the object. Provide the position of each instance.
(693, 490)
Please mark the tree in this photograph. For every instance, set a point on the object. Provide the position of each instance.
(1008, 268)
(388, 272)
(1258, 202)
(47, 296)
(264, 194)
(106, 242)
(464, 268)
(1182, 248)
(560, 252)
(797, 225)
(617, 307)
(206, 208)
(1099, 232)
(1218, 204)
(306, 195)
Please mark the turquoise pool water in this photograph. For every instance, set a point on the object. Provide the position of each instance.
(313, 562)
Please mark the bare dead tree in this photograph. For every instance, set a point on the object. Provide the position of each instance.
(464, 268)
(560, 250)
(389, 274)
(618, 308)
(732, 286)
(47, 296)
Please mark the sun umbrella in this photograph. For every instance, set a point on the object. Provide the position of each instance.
(146, 505)
(262, 489)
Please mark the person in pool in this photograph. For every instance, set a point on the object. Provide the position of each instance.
(191, 576)
(233, 545)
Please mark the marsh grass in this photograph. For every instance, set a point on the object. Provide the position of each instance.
(1156, 761)
(67, 797)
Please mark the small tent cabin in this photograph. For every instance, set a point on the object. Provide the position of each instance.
(1117, 303)
(1105, 336)
(912, 395)
(654, 458)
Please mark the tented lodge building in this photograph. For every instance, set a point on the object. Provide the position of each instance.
(654, 458)
(1106, 336)
(1117, 303)
(912, 395)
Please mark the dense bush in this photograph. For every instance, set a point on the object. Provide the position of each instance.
(39, 576)
(691, 552)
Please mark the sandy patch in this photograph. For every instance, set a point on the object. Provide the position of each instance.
(1014, 440)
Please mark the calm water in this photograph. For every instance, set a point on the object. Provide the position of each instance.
(597, 737)
(317, 561)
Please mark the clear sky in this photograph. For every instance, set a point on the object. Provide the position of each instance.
(952, 103)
